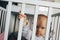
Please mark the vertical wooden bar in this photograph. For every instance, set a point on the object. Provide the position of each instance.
(54, 36)
(56, 27)
(59, 29)
(1, 20)
(48, 24)
(57, 32)
(7, 20)
(52, 27)
(21, 23)
(35, 23)
(52, 23)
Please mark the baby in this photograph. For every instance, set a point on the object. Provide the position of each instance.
(40, 29)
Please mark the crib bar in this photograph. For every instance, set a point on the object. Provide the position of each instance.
(34, 23)
(57, 32)
(5, 13)
(53, 22)
(7, 20)
(2, 21)
(1, 8)
(2, 17)
(0, 13)
(21, 23)
(59, 29)
(57, 14)
(36, 2)
(55, 27)
(48, 23)
(51, 28)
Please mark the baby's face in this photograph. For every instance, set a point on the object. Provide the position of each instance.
(41, 26)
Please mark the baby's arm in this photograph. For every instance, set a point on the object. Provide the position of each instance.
(22, 15)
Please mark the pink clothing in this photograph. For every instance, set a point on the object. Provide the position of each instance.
(2, 36)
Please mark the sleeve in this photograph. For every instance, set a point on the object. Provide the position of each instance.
(29, 35)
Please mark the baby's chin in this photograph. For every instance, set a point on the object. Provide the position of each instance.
(39, 35)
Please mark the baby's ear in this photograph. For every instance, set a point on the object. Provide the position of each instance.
(26, 22)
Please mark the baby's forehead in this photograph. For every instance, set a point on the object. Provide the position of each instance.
(42, 15)
(42, 18)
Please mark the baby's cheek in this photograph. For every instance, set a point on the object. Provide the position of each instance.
(42, 32)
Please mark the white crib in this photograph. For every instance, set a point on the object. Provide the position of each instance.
(31, 8)
(3, 13)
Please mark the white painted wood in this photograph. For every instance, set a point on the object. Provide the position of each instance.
(30, 9)
(21, 23)
(1, 19)
(42, 3)
(7, 20)
(52, 23)
(16, 8)
(3, 8)
(35, 23)
(52, 27)
(55, 28)
(48, 24)
(36, 2)
(57, 32)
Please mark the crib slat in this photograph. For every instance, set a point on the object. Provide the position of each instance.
(57, 32)
(1, 20)
(54, 36)
(35, 23)
(21, 23)
(5, 13)
(59, 29)
(48, 24)
(52, 23)
(0, 13)
(7, 20)
(52, 28)
(4, 19)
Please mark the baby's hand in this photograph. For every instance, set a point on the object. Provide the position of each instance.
(21, 15)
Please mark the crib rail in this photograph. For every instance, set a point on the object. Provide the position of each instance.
(35, 17)
(56, 26)
(57, 14)
(3, 13)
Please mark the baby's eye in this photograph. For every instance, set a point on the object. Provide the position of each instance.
(37, 26)
(43, 27)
